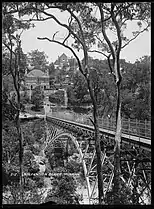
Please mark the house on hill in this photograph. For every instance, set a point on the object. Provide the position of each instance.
(61, 61)
(36, 77)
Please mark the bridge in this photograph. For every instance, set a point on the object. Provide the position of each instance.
(135, 150)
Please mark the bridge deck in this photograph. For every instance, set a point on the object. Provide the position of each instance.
(136, 140)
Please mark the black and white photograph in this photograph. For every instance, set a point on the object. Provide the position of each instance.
(76, 103)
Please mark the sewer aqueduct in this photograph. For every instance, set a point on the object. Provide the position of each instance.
(135, 156)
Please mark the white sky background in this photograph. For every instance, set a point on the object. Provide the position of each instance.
(136, 49)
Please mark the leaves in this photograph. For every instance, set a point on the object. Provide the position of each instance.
(64, 188)
(38, 60)
(136, 90)
(37, 97)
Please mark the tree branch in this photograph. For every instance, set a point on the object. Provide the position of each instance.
(135, 37)
(92, 121)
(55, 34)
(56, 20)
(64, 25)
(99, 38)
(98, 52)
(117, 30)
(42, 19)
(12, 104)
(62, 44)
(110, 67)
(83, 40)
(66, 38)
(104, 32)
(10, 65)
(70, 20)
(8, 48)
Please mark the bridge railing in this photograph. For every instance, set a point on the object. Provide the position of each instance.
(129, 126)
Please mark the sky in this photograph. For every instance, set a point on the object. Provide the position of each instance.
(135, 50)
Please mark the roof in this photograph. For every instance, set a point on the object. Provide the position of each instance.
(63, 55)
(57, 62)
(36, 73)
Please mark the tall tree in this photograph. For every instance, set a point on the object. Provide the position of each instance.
(38, 60)
(12, 42)
(85, 27)
(81, 38)
(115, 17)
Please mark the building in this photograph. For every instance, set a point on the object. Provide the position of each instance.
(35, 78)
(61, 61)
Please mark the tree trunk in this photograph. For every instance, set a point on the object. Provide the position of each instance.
(117, 171)
(20, 156)
(99, 162)
(97, 145)
(18, 123)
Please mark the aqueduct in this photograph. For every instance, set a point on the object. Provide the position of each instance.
(135, 155)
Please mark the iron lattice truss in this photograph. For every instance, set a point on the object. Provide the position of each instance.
(135, 161)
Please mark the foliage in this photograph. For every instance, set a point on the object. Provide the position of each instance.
(103, 86)
(64, 188)
(77, 92)
(25, 97)
(38, 60)
(124, 196)
(38, 129)
(11, 163)
(73, 166)
(30, 194)
(57, 97)
(28, 159)
(10, 143)
(8, 111)
(136, 90)
(27, 131)
(85, 28)
(37, 97)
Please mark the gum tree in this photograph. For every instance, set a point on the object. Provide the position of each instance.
(87, 30)
(81, 38)
(16, 66)
(115, 16)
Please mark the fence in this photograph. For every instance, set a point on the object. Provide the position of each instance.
(129, 126)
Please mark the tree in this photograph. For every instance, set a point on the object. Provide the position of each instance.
(10, 143)
(38, 60)
(57, 97)
(136, 90)
(16, 67)
(79, 89)
(37, 97)
(64, 189)
(81, 40)
(8, 110)
(85, 28)
(115, 16)
(12, 171)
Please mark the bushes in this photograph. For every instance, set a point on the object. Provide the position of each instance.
(57, 97)
(37, 97)
(64, 188)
